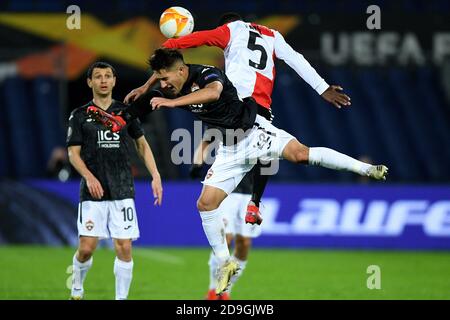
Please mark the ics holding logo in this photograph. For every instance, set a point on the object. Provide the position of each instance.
(108, 139)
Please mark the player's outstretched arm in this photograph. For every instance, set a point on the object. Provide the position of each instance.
(218, 37)
(146, 154)
(304, 69)
(211, 92)
(94, 186)
(297, 61)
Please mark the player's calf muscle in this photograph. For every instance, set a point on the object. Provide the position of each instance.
(123, 249)
(296, 152)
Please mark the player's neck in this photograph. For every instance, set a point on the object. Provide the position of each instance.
(103, 102)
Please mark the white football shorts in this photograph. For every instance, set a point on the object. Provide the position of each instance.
(115, 219)
(264, 141)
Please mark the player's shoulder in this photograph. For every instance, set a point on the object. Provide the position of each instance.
(204, 70)
(237, 23)
(80, 111)
(263, 29)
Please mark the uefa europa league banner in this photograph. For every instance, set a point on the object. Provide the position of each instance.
(302, 216)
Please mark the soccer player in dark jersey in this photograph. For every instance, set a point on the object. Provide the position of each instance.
(247, 137)
(233, 209)
(101, 157)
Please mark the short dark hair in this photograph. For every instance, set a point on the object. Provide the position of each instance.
(229, 17)
(101, 65)
(165, 58)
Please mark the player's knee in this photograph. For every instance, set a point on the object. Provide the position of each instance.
(85, 253)
(206, 204)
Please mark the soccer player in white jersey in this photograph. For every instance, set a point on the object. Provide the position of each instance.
(250, 50)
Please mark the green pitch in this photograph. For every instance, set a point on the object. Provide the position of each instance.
(167, 273)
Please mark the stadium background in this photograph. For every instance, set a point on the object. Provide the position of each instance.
(398, 78)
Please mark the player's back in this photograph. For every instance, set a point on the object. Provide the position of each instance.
(249, 60)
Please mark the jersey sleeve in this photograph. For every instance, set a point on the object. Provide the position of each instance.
(297, 62)
(209, 75)
(74, 130)
(135, 129)
(218, 37)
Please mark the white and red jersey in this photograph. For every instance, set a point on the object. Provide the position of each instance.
(250, 50)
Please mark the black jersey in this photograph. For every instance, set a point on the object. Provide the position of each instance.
(228, 112)
(105, 154)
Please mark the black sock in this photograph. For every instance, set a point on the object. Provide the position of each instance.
(259, 182)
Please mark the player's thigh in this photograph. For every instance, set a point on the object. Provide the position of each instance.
(93, 219)
(123, 221)
(229, 167)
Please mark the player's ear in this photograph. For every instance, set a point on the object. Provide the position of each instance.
(89, 82)
(182, 70)
(114, 82)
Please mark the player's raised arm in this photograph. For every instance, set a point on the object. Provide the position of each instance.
(298, 62)
(218, 37)
(304, 69)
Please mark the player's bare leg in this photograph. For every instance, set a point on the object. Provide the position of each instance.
(82, 262)
(123, 267)
(329, 158)
(214, 228)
